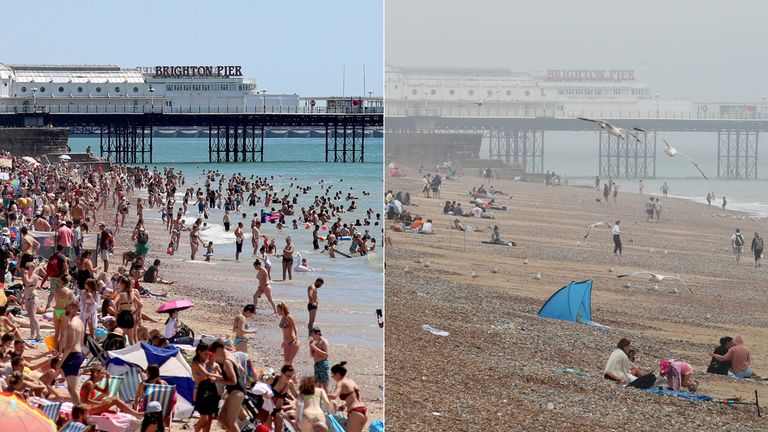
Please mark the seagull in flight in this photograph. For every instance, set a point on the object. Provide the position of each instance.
(595, 225)
(613, 130)
(482, 101)
(671, 151)
(656, 278)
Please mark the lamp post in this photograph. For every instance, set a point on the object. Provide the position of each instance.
(152, 97)
(264, 100)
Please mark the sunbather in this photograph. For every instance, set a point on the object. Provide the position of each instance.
(96, 398)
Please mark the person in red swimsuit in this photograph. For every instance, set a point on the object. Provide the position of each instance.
(348, 391)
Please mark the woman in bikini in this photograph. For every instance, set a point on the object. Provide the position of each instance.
(290, 334)
(96, 398)
(31, 282)
(62, 296)
(128, 302)
(85, 269)
(348, 392)
(265, 260)
(312, 399)
(283, 387)
(206, 394)
(288, 258)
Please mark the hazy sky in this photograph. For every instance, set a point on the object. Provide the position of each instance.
(287, 46)
(693, 49)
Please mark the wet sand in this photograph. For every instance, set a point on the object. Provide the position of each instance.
(494, 371)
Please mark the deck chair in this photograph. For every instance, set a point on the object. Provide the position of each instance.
(114, 385)
(50, 409)
(130, 385)
(165, 394)
(97, 353)
(73, 426)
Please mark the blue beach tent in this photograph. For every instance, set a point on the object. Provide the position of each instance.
(572, 302)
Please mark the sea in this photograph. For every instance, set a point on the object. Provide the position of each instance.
(575, 155)
(354, 286)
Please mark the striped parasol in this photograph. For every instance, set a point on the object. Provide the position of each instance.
(18, 416)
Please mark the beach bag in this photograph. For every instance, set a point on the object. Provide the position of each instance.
(759, 244)
(142, 238)
(644, 382)
(739, 240)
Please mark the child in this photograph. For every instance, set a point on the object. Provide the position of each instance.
(208, 251)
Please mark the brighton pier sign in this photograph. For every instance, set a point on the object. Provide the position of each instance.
(590, 75)
(196, 71)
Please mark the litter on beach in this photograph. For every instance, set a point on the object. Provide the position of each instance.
(434, 331)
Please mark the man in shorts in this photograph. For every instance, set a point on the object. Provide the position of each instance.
(318, 348)
(72, 333)
(264, 287)
(106, 242)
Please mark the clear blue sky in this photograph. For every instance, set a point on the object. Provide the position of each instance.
(287, 46)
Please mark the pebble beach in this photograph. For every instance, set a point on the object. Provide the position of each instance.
(501, 367)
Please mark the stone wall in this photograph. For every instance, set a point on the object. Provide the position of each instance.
(34, 141)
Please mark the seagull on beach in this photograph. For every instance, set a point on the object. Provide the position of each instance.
(613, 130)
(671, 151)
(656, 278)
(595, 225)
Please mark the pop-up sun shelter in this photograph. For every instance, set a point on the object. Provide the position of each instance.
(572, 302)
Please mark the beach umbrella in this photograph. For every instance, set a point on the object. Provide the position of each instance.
(65, 157)
(29, 159)
(19, 416)
(175, 305)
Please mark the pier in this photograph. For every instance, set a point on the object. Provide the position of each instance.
(126, 136)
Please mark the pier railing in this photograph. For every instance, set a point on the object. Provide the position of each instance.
(161, 109)
(502, 112)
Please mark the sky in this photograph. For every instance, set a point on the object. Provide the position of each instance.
(297, 46)
(703, 50)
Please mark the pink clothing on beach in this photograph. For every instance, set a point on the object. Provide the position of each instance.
(682, 367)
(65, 236)
(738, 355)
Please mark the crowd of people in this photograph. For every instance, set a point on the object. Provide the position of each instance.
(58, 278)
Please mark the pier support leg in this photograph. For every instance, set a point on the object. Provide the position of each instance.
(628, 157)
(737, 154)
(521, 147)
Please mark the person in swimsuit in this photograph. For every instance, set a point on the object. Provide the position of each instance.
(88, 300)
(283, 387)
(240, 328)
(312, 400)
(312, 303)
(62, 296)
(95, 397)
(230, 377)
(194, 237)
(71, 345)
(31, 283)
(348, 391)
(264, 286)
(288, 258)
(239, 239)
(290, 334)
(128, 303)
(318, 349)
(85, 269)
(206, 395)
(267, 262)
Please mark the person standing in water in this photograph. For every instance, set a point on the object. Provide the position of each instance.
(312, 302)
(239, 238)
(665, 189)
(616, 238)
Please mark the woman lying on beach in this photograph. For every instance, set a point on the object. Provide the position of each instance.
(348, 392)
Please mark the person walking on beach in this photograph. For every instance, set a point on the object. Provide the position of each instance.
(665, 189)
(606, 192)
(649, 209)
(657, 209)
(226, 221)
(194, 237)
(724, 203)
(737, 243)
(616, 238)
(597, 183)
(288, 259)
(312, 302)
(757, 248)
(642, 187)
(264, 287)
(240, 328)
(318, 349)
(239, 238)
(615, 192)
(290, 334)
